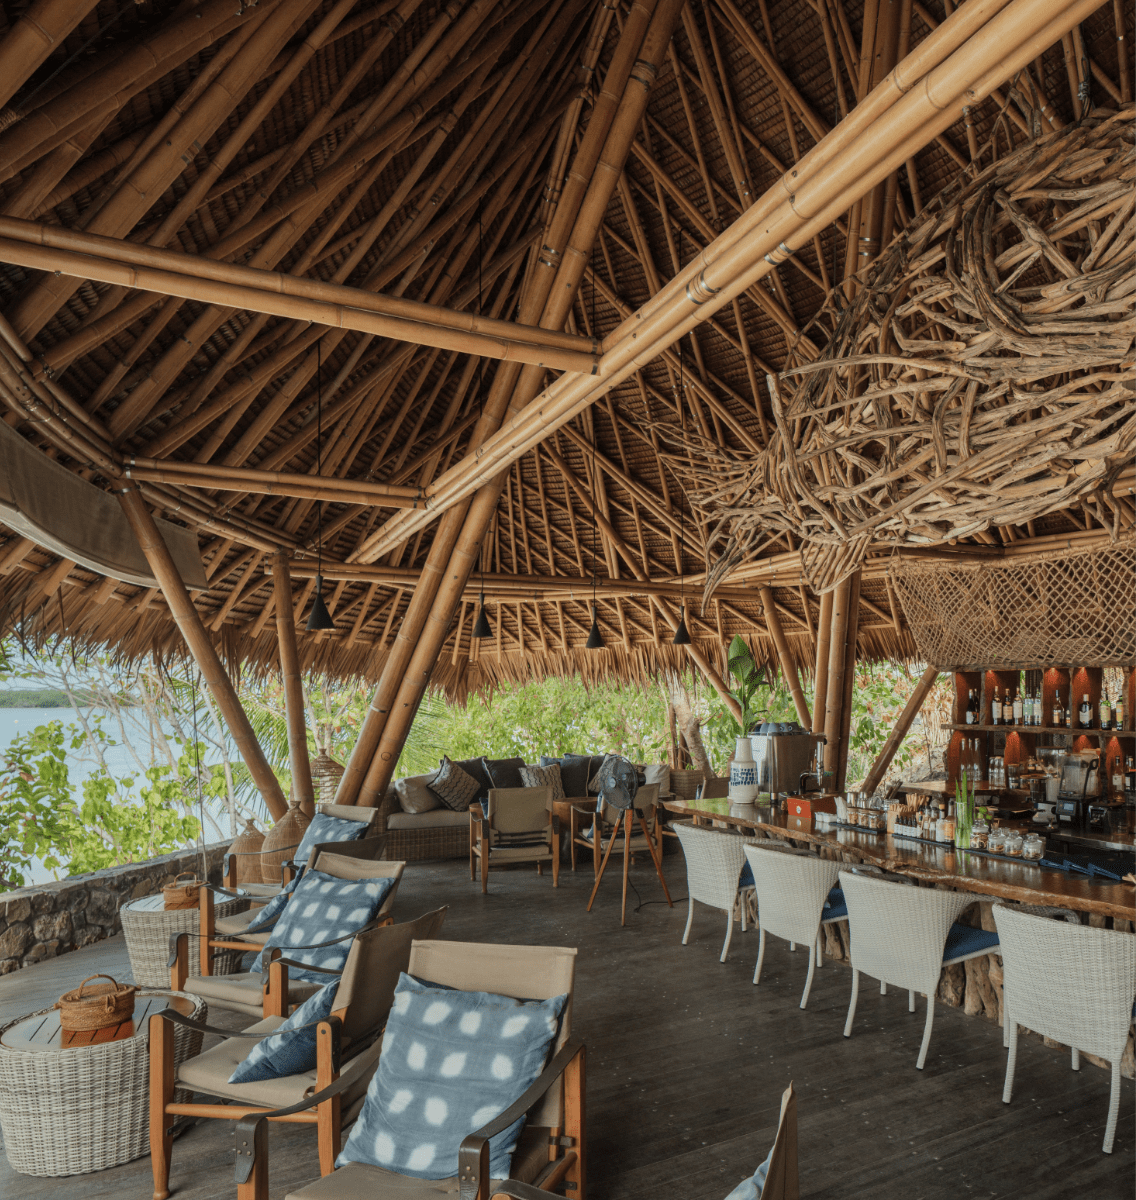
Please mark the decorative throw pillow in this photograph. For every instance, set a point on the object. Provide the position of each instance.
(413, 794)
(576, 770)
(504, 772)
(268, 915)
(455, 788)
(475, 768)
(451, 1062)
(659, 773)
(544, 777)
(321, 909)
(292, 1048)
(327, 829)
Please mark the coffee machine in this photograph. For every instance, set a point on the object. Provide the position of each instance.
(1080, 783)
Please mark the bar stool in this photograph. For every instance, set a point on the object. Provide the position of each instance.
(1072, 983)
(795, 897)
(905, 936)
(714, 863)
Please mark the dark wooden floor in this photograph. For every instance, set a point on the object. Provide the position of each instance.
(687, 1061)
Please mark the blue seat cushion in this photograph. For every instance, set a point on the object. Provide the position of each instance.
(835, 908)
(965, 940)
(451, 1062)
(746, 878)
(292, 1048)
(320, 909)
(327, 829)
(270, 913)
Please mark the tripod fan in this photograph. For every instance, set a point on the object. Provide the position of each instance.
(619, 785)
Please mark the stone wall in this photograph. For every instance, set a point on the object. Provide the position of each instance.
(52, 918)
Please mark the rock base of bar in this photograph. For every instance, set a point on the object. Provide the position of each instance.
(53, 918)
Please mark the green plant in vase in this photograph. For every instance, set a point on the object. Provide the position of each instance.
(964, 813)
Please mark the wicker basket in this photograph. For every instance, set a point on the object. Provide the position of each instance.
(82, 1109)
(326, 774)
(280, 841)
(244, 854)
(182, 895)
(147, 927)
(97, 1007)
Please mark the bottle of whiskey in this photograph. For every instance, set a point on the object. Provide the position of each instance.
(1086, 712)
(1058, 711)
(972, 708)
(1019, 709)
(996, 708)
(1118, 713)
(1105, 710)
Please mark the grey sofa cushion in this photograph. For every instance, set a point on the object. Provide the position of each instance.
(438, 818)
(504, 772)
(576, 770)
(476, 768)
(414, 796)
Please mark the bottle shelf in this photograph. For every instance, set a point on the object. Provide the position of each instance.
(1075, 732)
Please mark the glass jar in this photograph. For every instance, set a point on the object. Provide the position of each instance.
(1014, 841)
(979, 834)
(945, 830)
(996, 841)
(1033, 847)
(877, 819)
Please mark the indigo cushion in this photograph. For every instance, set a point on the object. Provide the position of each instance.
(544, 777)
(504, 772)
(320, 909)
(292, 1048)
(267, 916)
(451, 1062)
(327, 829)
(475, 768)
(576, 770)
(456, 789)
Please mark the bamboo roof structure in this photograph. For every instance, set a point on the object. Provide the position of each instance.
(266, 262)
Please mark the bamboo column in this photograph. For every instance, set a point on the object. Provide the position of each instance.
(902, 725)
(837, 656)
(851, 634)
(293, 687)
(820, 674)
(33, 37)
(193, 631)
(785, 655)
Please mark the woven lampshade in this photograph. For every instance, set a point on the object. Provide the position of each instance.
(326, 774)
(248, 842)
(281, 841)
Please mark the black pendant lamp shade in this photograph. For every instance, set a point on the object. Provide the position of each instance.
(481, 628)
(682, 634)
(319, 617)
(595, 638)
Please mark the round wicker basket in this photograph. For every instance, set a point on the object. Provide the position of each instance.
(183, 892)
(245, 854)
(147, 926)
(85, 1108)
(280, 841)
(96, 1007)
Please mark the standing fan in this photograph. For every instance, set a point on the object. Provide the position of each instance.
(619, 783)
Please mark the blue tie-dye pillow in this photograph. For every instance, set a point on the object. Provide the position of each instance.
(451, 1062)
(267, 916)
(321, 909)
(292, 1048)
(327, 829)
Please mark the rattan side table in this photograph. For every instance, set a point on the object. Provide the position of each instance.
(75, 1103)
(147, 925)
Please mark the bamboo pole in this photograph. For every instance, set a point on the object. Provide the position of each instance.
(290, 674)
(785, 656)
(33, 37)
(850, 641)
(962, 60)
(837, 659)
(899, 731)
(193, 631)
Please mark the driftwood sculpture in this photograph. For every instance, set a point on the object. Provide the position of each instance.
(981, 376)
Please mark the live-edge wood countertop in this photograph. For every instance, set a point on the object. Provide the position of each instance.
(1024, 882)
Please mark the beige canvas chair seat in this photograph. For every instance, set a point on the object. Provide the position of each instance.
(517, 827)
(243, 993)
(361, 1181)
(366, 990)
(529, 972)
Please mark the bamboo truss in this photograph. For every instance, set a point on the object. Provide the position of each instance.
(480, 231)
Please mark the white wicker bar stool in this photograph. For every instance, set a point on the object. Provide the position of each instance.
(795, 897)
(714, 863)
(905, 936)
(1072, 983)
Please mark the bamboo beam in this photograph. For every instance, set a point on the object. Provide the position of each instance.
(785, 656)
(899, 730)
(33, 37)
(834, 701)
(851, 635)
(290, 674)
(193, 631)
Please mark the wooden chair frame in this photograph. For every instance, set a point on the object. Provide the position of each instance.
(481, 828)
(567, 1165)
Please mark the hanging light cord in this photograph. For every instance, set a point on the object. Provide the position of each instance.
(319, 454)
(682, 436)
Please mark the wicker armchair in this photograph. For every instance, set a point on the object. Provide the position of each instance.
(519, 827)
(1072, 983)
(905, 936)
(551, 1150)
(795, 897)
(350, 1037)
(714, 863)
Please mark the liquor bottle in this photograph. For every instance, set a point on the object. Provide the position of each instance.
(1105, 710)
(1086, 712)
(1058, 711)
(1069, 710)
(1118, 713)
(1130, 774)
(1117, 778)
(1031, 703)
(1019, 709)
(1037, 708)
(971, 708)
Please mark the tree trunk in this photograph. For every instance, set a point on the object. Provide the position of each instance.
(689, 724)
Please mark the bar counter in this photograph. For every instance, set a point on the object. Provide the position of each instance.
(1023, 882)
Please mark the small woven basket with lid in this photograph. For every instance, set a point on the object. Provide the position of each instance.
(87, 1008)
(183, 892)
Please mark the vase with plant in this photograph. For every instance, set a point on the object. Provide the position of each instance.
(964, 813)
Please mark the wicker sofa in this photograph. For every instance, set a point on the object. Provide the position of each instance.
(443, 833)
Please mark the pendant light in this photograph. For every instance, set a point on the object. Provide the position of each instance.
(481, 627)
(595, 638)
(682, 634)
(319, 617)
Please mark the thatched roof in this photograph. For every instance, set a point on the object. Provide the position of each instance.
(417, 150)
